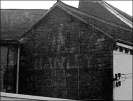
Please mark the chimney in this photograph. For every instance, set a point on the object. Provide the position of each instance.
(93, 7)
(58, 0)
(83, 3)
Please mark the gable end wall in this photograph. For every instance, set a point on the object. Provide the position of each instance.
(67, 59)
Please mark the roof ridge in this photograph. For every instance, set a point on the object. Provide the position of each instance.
(59, 5)
(72, 11)
(96, 18)
(101, 30)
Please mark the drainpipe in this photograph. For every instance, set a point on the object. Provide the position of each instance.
(18, 61)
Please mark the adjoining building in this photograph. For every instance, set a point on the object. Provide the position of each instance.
(64, 52)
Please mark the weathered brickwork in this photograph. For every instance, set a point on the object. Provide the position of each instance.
(8, 64)
(63, 57)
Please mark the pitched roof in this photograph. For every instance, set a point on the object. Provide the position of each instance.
(123, 33)
(104, 11)
(119, 33)
(14, 22)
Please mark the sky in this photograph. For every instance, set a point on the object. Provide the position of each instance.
(125, 6)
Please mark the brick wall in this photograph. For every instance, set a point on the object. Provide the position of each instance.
(66, 58)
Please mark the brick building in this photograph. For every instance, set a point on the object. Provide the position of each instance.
(63, 52)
